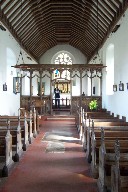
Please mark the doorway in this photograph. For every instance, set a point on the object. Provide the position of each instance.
(65, 94)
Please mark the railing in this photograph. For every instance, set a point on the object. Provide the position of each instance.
(63, 102)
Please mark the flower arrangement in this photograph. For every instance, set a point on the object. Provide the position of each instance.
(93, 105)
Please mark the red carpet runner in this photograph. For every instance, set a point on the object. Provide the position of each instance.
(54, 162)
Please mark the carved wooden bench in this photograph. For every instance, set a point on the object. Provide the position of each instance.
(119, 171)
(97, 125)
(96, 139)
(31, 117)
(81, 116)
(18, 126)
(106, 160)
(88, 122)
(15, 131)
(6, 161)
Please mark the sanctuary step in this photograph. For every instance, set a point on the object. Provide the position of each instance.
(61, 111)
(61, 117)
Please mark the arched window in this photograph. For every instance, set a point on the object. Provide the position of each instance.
(62, 57)
(110, 69)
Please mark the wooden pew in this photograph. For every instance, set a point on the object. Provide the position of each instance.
(31, 117)
(106, 124)
(12, 150)
(17, 147)
(23, 120)
(106, 160)
(119, 177)
(82, 116)
(34, 117)
(97, 125)
(6, 161)
(107, 119)
(77, 115)
(18, 125)
(88, 122)
(99, 115)
(78, 119)
(23, 125)
(109, 135)
(110, 123)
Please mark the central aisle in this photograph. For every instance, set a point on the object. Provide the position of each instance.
(54, 162)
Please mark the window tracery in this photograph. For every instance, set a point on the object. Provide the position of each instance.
(62, 58)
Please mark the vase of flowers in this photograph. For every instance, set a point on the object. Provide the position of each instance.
(93, 105)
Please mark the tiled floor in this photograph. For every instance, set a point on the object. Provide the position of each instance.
(54, 162)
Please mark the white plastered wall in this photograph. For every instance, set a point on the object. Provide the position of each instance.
(9, 52)
(78, 58)
(118, 102)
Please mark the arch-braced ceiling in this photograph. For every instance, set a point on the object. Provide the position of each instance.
(38, 25)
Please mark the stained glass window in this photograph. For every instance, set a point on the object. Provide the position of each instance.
(63, 58)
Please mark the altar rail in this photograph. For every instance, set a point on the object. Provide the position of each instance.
(63, 102)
